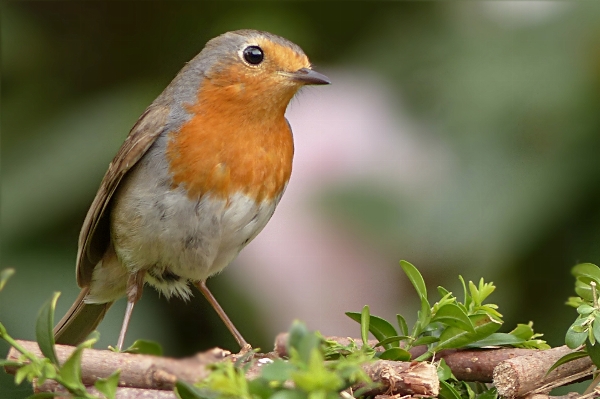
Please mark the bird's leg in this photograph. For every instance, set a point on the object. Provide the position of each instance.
(211, 299)
(135, 286)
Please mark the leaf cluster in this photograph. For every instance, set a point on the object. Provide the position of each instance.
(305, 375)
(68, 374)
(447, 324)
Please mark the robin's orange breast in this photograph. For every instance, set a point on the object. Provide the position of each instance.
(230, 147)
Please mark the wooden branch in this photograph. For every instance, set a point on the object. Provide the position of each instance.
(466, 364)
(122, 392)
(137, 371)
(145, 372)
(527, 374)
(403, 378)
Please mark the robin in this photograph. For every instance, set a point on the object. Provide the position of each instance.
(198, 177)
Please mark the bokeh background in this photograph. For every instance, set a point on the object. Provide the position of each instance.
(463, 137)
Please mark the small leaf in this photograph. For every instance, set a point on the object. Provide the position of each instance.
(184, 390)
(574, 338)
(380, 328)
(569, 357)
(70, 372)
(468, 300)
(402, 324)
(145, 347)
(596, 329)
(443, 292)
(425, 340)
(279, 371)
(43, 329)
(108, 386)
(523, 331)
(587, 272)
(365, 319)
(452, 315)
(396, 354)
(453, 337)
(443, 371)
(594, 352)
(496, 339)
(5, 274)
(491, 393)
(390, 340)
(585, 309)
(447, 391)
(584, 290)
(415, 278)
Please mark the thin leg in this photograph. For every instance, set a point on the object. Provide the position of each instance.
(211, 299)
(135, 286)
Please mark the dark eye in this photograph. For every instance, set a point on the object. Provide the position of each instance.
(253, 55)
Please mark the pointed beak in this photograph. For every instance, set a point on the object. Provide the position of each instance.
(309, 77)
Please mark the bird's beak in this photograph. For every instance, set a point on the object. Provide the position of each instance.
(309, 77)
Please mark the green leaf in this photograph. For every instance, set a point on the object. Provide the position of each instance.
(454, 316)
(380, 328)
(402, 324)
(365, 325)
(289, 394)
(183, 390)
(425, 340)
(302, 341)
(447, 391)
(569, 357)
(596, 329)
(390, 340)
(491, 393)
(423, 317)
(43, 329)
(496, 339)
(443, 371)
(396, 354)
(108, 386)
(5, 274)
(574, 338)
(594, 352)
(443, 292)
(70, 372)
(279, 371)
(587, 272)
(453, 337)
(584, 290)
(523, 331)
(415, 278)
(585, 309)
(468, 300)
(145, 347)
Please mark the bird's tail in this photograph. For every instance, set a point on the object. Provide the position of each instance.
(81, 319)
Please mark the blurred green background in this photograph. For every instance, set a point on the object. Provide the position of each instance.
(511, 90)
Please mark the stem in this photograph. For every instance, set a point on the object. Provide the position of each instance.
(594, 294)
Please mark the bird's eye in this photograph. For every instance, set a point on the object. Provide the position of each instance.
(253, 55)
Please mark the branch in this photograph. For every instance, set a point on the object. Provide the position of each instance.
(527, 374)
(466, 364)
(151, 373)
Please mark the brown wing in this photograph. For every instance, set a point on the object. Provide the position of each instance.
(94, 237)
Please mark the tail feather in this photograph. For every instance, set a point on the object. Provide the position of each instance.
(81, 319)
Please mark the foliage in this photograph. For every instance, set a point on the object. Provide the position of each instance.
(68, 374)
(448, 324)
(584, 333)
(306, 375)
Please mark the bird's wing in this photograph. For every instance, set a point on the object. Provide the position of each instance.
(94, 237)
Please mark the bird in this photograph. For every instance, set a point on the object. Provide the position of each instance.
(197, 178)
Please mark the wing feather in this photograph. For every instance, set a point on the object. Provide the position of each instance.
(94, 237)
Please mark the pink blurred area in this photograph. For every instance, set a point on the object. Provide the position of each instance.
(303, 265)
